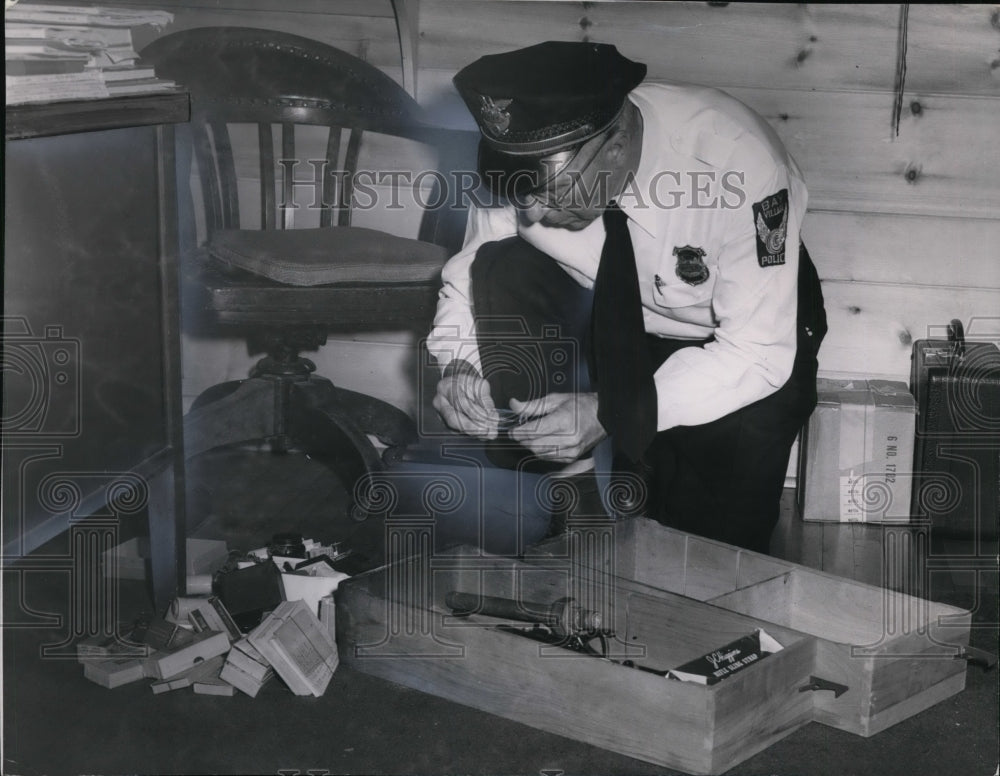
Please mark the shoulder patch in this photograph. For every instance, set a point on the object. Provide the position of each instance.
(770, 217)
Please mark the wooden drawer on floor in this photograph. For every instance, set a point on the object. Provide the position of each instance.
(894, 653)
(393, 622)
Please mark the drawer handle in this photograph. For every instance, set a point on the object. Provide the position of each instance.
(815, 683)
(979, 657)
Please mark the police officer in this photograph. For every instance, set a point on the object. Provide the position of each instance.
(656, 227)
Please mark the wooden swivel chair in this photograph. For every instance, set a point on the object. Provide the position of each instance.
(287, 288)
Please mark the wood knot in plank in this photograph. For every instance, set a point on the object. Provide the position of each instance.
(905, 338)
(854, 310)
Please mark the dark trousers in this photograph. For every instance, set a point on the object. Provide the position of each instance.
(722, 479)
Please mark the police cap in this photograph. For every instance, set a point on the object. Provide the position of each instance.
(537, 101)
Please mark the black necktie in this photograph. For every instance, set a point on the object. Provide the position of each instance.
(626, 392)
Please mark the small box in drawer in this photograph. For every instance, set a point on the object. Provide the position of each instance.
(894, 652)
(392, 622)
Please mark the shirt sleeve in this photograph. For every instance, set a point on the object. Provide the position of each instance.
(454, 333)
(755, 302)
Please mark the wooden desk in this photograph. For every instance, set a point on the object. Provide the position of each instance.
(92, 416)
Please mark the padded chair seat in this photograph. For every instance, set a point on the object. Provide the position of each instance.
(325, 256)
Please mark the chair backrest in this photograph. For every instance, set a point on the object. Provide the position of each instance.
(277, 82)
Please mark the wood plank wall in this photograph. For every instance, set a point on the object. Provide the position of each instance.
(904, 228)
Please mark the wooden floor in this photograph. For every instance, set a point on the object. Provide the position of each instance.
(244, 495)
(909, 558)
(58, 722)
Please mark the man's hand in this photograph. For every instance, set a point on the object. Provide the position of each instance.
(562, 426)
(464, 401)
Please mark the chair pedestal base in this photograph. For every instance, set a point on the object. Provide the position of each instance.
(332, 425)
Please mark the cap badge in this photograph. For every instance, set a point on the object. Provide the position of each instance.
(494, 114)
(691, 265)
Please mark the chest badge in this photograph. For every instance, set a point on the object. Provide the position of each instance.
(691, 265)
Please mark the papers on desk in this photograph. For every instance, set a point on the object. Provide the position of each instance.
(52, 14)
(66, 52)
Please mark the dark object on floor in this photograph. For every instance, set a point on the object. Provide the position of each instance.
(249, 592)
(287, 545)
(286, 288)
(956, 385)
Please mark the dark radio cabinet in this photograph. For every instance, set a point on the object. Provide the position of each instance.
(956, 385)
(91, 397)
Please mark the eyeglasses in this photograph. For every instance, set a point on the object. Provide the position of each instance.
(556, 190)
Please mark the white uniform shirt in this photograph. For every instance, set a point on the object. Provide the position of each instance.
(712, 177)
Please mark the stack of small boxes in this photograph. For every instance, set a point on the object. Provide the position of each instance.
(199, 644)
(246, 669)
(171, 654)
(291, 642)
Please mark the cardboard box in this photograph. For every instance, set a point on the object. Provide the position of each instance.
(298, 647)
(203, 647)
(856, 457)
(161, 635)
(210, 682)
(327, 616)
(246, 669)
(245, 657)
(114, 672)
(205, 671)
(214, 687)
(241, 680)
(201, 614)
(104, 647)
(310, 581)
